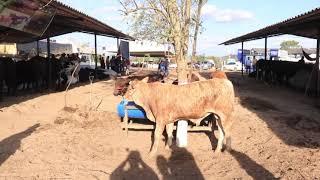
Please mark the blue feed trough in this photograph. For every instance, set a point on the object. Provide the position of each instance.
(134, 111)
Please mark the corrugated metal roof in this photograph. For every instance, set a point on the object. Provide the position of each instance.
(305, 25)
(66, 20)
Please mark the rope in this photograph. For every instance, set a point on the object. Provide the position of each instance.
(45, 5)
(66, 91)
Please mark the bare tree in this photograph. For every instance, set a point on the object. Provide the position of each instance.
(167, 21)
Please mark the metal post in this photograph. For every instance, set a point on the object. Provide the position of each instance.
(118, 44)
(182, 130)
(95, 51)
(242, 54)
(265, 48)
(318, 66)
(38, 48)
(49, 63)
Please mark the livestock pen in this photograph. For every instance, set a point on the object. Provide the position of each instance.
(304, 25)
(58, 19)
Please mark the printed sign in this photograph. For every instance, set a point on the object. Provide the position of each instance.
(274, 52)
(124, 49)
(25, 15)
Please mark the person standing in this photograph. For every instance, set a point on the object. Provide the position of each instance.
(107, 62)
(102, 63)
(166, 66)
(118, 63)
(248, 65)
(112, 63)
(254, 62)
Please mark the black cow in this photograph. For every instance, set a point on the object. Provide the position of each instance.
(279, 72)
(10, 75)
(2, 77)
(24, 73)
(38, 69)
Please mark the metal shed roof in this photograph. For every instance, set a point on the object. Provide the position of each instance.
(305, 25)
(66, 20)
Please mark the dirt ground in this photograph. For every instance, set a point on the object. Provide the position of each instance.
(276, 135)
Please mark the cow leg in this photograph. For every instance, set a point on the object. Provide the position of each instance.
(169, 129)
(221, 135)
(157, 136)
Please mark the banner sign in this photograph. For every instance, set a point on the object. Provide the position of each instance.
(25, 15)
(245, 53)
(274, 52)
(124, 49)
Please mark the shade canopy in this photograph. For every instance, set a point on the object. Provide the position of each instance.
(66, 20)
(304, 25)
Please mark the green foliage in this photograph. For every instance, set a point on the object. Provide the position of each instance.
(148, 25)
(285, 45)
(217, 61)
(200, 58)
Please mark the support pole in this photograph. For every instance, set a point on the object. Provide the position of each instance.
(318, 66)
(118, 44)
(265, 48)
(49, 63)
(182, 128)
(38, 48)
(95, 51)
(242, 54)
(182, 131)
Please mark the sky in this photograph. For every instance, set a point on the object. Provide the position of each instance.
(222, 20)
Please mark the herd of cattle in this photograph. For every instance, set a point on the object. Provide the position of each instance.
(294, 74)
(33, 74)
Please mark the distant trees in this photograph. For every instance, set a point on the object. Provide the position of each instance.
(290, 44)
(217, 60)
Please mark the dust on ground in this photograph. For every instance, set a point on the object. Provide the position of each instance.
(275, 135)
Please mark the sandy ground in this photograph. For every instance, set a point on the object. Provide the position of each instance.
(276, 135)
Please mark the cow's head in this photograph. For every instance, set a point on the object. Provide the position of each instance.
(120, 87)
(134, 90)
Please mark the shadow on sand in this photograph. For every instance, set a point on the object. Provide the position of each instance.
(133, 168)
(295, 129)
(10, 145)
(253, 169)
(181, 165)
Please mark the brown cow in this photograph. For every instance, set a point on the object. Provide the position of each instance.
(195, 76)
(219, 74)
(165, 104)
(121, 84)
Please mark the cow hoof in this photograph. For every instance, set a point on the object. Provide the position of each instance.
(218, 151)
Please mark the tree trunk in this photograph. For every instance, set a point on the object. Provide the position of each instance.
(196, 31)
(182, 67)
(182, 56)
(180, 34)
